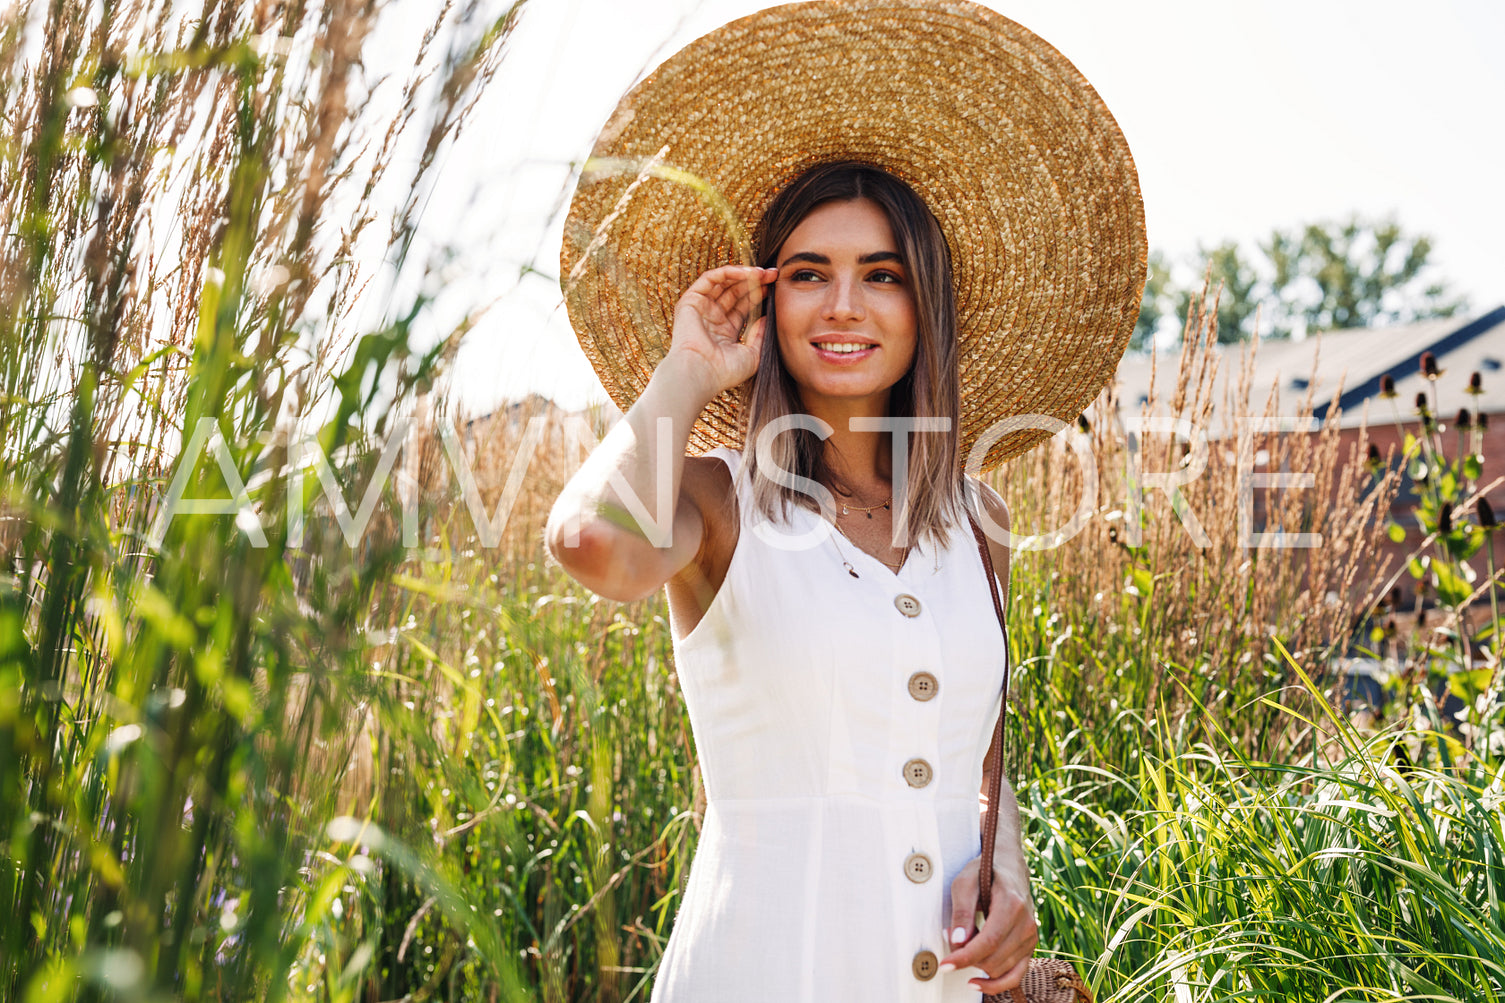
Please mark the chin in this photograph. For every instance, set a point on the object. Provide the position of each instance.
(846, 389)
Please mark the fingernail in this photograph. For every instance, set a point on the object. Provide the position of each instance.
(959, 935)
(947, 968)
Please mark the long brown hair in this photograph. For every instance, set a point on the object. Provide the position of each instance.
(929, 389)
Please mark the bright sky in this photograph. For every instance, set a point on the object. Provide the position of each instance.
(1241, 116)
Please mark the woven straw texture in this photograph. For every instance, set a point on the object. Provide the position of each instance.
(1047, 981)
(1015, 153)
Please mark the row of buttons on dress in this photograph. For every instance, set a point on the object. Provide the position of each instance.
(923, 686)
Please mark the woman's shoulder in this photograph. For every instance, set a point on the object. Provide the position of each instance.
(714, 470)
(992, 502)
(724, 456)
(996, 519)
(709, 481)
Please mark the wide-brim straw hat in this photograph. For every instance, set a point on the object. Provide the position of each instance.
(1006, 142)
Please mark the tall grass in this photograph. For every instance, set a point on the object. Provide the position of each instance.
(1122, 628)
(1225, 878)
(544, 746)
(183, 191)
(1204, 823)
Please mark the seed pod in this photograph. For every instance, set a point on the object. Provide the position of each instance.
(1481, 421)
(1445, 518)
(1387, 386)
(1429, 366)
(1081, 423)
(1475, 384)
(1486, 514)
(1465, 420)
(1421, 403)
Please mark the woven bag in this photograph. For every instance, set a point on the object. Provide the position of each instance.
(1047, 980)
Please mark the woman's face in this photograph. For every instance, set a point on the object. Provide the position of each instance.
(845, 307)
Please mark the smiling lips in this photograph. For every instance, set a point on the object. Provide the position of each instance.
(843, 352)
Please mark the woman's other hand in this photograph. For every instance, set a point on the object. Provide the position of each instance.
(708, 323)
(1003, 947)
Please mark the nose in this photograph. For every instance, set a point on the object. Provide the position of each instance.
(844, 300)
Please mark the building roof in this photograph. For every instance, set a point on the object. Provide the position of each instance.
(1355, 359)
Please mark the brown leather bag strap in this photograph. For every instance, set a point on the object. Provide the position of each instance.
(994, 765)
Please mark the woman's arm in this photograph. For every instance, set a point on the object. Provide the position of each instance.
(591, 530)
(1002, 948)
(1008, 848)
(1008, 843)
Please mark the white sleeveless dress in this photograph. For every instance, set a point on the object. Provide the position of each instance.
(841, 725)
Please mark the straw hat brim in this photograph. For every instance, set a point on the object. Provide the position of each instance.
(1013, 151)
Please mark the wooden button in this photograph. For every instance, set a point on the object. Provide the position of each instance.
(907, 604)
(925, 965)
(923, 686)
(917, 868)
(917, 773)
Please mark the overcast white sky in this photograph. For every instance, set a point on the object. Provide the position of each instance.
(1241, 117)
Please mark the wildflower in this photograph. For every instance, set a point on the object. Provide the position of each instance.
(1421, 404)
(1429, 366)
(1465, 420)
(1481, 421)
(1387, 387)
(1486, 514)
(1374, 461)
(1445, 518)
(1475, 384)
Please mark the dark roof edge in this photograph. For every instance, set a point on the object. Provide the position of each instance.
(1468, 332)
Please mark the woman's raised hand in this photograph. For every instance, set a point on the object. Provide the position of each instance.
(708, 323)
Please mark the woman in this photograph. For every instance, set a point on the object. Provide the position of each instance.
(834, 631)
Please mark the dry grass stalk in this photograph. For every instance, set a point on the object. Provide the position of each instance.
(1216, 606)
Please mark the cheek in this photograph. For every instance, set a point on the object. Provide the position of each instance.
(909, 357)
(785, 304)
(908, 321)
(787, 320)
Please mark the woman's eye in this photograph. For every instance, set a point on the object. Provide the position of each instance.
(804, 275)
(886, 277)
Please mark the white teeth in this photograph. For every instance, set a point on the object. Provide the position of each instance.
(845, 346)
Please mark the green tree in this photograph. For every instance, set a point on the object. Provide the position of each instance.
(1355, 273)
(1315, 277)
(1238, 285)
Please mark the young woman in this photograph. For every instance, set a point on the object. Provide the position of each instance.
(863, 326)
(835, 637)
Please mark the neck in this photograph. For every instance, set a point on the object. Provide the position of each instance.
(863, 460)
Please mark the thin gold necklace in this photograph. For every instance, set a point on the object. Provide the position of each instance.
(848, 564)
(848, 509)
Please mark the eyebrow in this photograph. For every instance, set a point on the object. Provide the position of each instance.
(821, 259)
